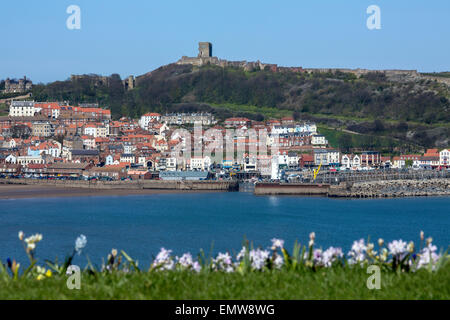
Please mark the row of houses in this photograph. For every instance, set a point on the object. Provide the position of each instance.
(59, 134)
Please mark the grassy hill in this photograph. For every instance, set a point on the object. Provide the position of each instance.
(404, 115)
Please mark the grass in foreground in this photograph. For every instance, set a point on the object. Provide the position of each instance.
(402, 270)
(334, 283)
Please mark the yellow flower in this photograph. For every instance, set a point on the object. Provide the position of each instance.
(40, 277)
(48, 274)
(410, 247)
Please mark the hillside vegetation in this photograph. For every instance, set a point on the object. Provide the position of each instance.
(410, 114)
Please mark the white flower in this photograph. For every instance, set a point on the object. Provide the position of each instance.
(163, 260)
(196, 266)
(358, 252)
(331, 255)
(80, 243)
(397, 247)
(277, 243)
(241, 254)
(34, 238)
(278, 262)
(223, 262)
(21, 235)
(428, 255)
(317, 257)
(187, 262)
(259, 258)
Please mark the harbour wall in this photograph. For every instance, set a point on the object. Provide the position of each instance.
(291, 189)
(134, 184)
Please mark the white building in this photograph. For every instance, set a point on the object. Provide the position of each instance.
(293, 159)
(444, 157)
(11, 159)
(326, 157)
(171, 164)
(25, 160)
(200, 163)
(250, 163)
(96, 131)
(275, 169)
(147, 118)
(310, 128)
(126, 157)
(51, 148)
(128, 148)
(109, 160)
(333, 157)
(351, 161)
(319, 140)
(88, 142)
(22, 109)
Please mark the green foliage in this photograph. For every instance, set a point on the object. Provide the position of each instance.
(349, 141)
(302, 275)
(408, 163)
(438, 74)
(337, 94)
(335, 283)
(382, 110)
(3, 109)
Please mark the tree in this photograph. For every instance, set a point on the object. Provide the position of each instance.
(408, 163)
(345, 142)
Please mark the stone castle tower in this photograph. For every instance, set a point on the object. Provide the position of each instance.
(205, 49)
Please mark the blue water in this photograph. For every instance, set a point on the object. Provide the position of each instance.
(142, 224)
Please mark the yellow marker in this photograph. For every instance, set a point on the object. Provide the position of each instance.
(316, 171)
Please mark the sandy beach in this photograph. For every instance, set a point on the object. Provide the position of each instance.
(12, 191)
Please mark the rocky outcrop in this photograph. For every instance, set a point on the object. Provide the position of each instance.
(393, 189)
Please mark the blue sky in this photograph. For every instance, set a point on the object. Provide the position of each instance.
(137, 36)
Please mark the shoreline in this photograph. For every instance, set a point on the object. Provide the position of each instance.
(17, 191)
(360, 190)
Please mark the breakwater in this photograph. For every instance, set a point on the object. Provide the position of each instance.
(367, 189)
(392, 189)
(134, 184)
(291, 189)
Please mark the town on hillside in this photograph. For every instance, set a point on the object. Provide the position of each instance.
(54, 140)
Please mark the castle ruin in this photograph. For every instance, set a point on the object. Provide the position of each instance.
(13, 86)
(205, 57)
(129, 83)
(204, 49)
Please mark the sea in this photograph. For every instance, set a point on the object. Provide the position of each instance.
(211, 222)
